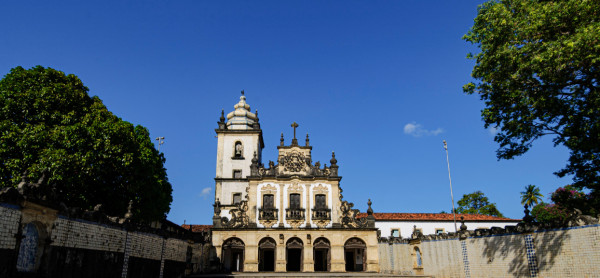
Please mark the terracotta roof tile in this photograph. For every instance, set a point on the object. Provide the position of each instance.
(197, 228)
(395, 216)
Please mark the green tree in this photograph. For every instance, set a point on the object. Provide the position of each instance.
(49, 123)
(537, 71)
(477, 203)
(531, 196)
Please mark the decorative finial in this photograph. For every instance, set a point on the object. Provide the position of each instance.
(369, 210)
(256, 113)
(333, 160)
(222, 119)
(242, 92)
(463, 227)
(307, 141)
(281, 140)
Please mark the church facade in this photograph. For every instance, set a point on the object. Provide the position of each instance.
(287, 215)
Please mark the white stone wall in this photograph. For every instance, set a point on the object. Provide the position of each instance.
(282, 204)
(442, 258)
(428, 227)
(87, 235)
(225, 151)
(9, 226)
(228, 189)
(568, 253)
(498, 256)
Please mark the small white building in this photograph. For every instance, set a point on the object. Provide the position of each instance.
(402, 224)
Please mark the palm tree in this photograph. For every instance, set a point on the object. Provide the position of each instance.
(531, 196)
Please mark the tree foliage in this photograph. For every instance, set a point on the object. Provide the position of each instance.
(537, 72)
(477, 203)
(565, 200)
(49, 123)
(531, 196)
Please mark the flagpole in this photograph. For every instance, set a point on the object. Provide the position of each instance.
(450, 178)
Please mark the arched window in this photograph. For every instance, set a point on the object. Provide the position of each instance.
(238, 150)
(419, 260)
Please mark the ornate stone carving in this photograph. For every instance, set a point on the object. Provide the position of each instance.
(348, 218)
(320, 189)
(296, 188)
(239, 217)
(294, 162)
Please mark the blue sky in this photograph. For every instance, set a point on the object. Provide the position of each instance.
(378, 82)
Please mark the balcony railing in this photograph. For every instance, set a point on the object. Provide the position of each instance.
(267, 213)
(294, 213)
(321, 214)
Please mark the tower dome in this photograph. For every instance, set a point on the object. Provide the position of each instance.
(241, 117)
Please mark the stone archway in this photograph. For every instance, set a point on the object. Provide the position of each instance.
(233, 255)
(293, 253)
(31, 247)
(267, 254)
(322, 254)
(355, 254)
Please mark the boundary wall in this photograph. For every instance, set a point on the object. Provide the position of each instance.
(37, 242)
(562, 252)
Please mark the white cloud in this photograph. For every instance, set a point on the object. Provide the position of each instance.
(418, 130)
(205, 192)
(493, 131)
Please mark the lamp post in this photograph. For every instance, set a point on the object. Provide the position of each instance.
(161, 140)
(450, 178)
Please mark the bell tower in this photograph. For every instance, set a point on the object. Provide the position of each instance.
(239, 141)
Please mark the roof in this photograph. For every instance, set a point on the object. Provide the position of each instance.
(197, 228)
(395, 216)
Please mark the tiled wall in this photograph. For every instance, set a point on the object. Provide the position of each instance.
(73, 233)
(9, 225)
(568, 252)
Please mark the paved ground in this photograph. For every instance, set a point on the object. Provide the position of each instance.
(306, 274)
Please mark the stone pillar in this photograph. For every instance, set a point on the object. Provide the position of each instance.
(280, 259)
(251, 258)
(338, 263)
(309, 261)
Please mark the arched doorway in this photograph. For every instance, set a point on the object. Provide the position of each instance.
(28, 249)
(293, 253)
(322, 254)
(266, 254)
(233, 255)
(355, 254)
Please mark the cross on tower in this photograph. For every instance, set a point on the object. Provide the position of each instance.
(294, 141)
(294, 125)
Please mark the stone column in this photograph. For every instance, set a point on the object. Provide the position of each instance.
(280, 255)
(251, 258)
(309, 261)
(338, 263)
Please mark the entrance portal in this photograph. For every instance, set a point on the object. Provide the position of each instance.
(294, 258)
(321, 254)
(355, 254)
(233, 255)
(266, 254)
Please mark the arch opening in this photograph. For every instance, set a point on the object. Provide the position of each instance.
(293, 253)
(322, 254)
(267, 254)
(355, 254)
(233, 255)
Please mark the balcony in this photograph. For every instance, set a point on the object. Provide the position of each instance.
(267, 213)
(294, 213)
(321, 214)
